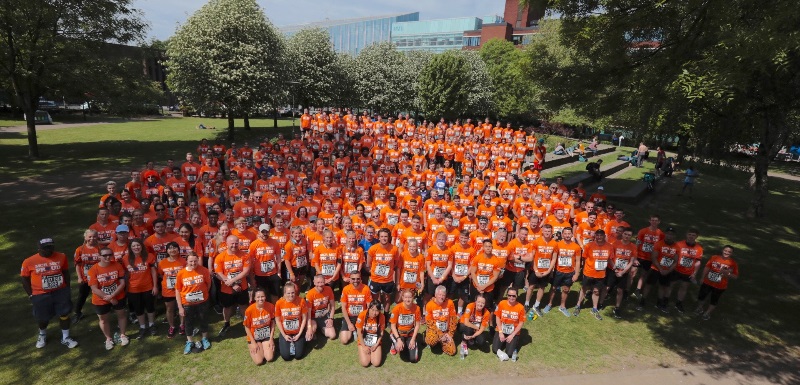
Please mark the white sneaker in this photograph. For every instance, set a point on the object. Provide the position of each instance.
(41, 341)
(123, 340)
(69, 342)
(109, 344)
(502, 355)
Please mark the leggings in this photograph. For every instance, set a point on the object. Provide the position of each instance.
(705, 290)
(509, 346)
(284, 347)
(466, 330)
(83, 293)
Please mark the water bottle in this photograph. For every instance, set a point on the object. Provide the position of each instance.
(291, 348)
(463, 350)
(514, 356)
(116, 338)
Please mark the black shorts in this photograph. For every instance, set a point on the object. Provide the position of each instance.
(562, 279)
(644, 264)
(272, 284)
(48, 305)
(460, 290)
(655, 276)
(105, 309)
(681, 277)
(141, 302)
(614, 282)
(229, 300)
(514, 279)
(376, 288)
(538, 282)
(168, 299)
(430, 287)
(592, 283)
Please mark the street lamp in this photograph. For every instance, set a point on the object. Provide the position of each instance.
(293, 105)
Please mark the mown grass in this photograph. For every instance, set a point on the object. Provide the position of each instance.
(753, 332)
(579, 168)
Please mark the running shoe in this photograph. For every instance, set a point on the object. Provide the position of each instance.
(564, 311)
(699, 310)
(706, 316)
(109, 344)
(596, 314)
(69, 342)
(547, 309)
(142, 333)
(182, 330)
(225, 329)
(206, 343)
(171, 332)
(153, 330)
(77, 317)
(616, 313)
(188, 348)
(123, 340)
(41, 341)
(679, 307)
(537, 311)
(577, 311)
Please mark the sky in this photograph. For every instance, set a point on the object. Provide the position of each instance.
(164, 16)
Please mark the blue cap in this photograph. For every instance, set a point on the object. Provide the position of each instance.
(123, 229)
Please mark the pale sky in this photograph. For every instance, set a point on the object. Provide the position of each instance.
(165, 15)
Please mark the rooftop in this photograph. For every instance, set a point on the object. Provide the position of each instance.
(330, 23)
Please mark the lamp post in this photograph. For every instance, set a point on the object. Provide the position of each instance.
(293, 105)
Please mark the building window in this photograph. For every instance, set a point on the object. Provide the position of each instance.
(516, 39)
(472, 41)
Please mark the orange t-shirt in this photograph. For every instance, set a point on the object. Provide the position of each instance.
(318, 301)
(647, 239)
(372, 327)
(354, 301)
(666, 255)
(462, 259)
(476, 318)
(439, 259)
(405, 319)
(168, 270)
(597, 258)
(510, 316)
(193, 286)
(715, 278)
(518, 250)
(440, 314)
(296, 253)
(231, 265)
(46, 273)
(325, 261)
(259, 321)
(485, 267)
(107, 279)
(140, 278)
(543, 250)
(290, 314)
(687, 256)
(412, 270)
(352, 260)
(265, 257)
(383, 263)
(85, 258)
(568, 257)
(623, 256)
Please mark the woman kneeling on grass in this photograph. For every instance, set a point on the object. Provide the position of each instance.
(258, 324)
(369, 329)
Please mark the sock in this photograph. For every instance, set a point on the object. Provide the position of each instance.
(64, 334)
(42, 332)
(152, 324)
(460, 309)
(141, 327)
(527, 303)
(536, 304)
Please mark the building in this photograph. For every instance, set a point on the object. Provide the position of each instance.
(436, 35)
(353, 35)
(519, 25)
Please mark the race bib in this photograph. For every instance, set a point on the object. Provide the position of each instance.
(565, 261)
(302, 261)
(248, 182)
(370, 339)
(327, 270)
(405, 319)
(507, 329)
(410, 277)
(687, 262)
(350, 267)
(461, 269)
(621, 264)
(195, 296)
(160, 256)
(191, 178)
(52, 282)
(355, 310)
(382, 270)
(391, 220)
(232, 276)
(110, 289)
(714, 276)
(171, 282)
(600, 264)
(543, 263)
(438, 272)
(667, 261)
(86, 270)
(261, 334)
(321, 313)
(441, 325)
(291, 324)
(647, 247)
(267, 266)
(483, 280)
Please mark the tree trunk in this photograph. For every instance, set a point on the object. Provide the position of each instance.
(230, 126)
(772, 132)
(275, 119)
(29, 107)
(247, 122)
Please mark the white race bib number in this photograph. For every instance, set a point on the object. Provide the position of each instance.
(262, 333)
(405, 319)
(232, 276)
(171, 282)
(110, 289)
(267, 266)
(52, 282)
(483, 280)
(327, 270)
(687, 262)
(350, 267)
(438, 272)
(321, 313)
(195, 296)
(86, 270)
(565, 261)
(410, 277)
(461, 270)
(647, 247)
(667, 261)
(519, 264)
(382, 270)
(507, 329)
(291, 324)
(441, 325)
(600, 264)
(621, 264)
(391, 220)
(543, 263)
(355, 310)
(370, 339)
(302, 261)
(714, 276)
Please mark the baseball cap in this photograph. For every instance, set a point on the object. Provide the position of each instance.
(600, 188)
(310, 191)
(123, 229)
(45, 242)
(313, 218)
(670, 229)
(470, 208)
(246, 191)
(263, 227)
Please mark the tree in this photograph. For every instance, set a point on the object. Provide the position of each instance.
(415, 63)
(380, 80)
(513, 94)
(344, 82)
(313, 66)
(443, 90)
(228, 57)
(43, 41)
(479, 87)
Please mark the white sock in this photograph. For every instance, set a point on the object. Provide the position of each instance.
(64, 334)
(42, 332)
(536, 305)
(527, 303)
(460, 309)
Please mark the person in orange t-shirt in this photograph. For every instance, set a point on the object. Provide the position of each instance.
(291, 314)
(259, 325)
(327, 259)
(107, 281)
(232, 268)
(621, 264)
(322, 306)
(474, 322)
(544, 251)
(405, 321)
(463, 253)
(167, 270)
(192, 291)
(690, 253)
(384, 259)
(412, 270)
(442, 320)
(597, 255)
(568, 263)
(369, 330)
(86, 256)
(142, 289)
(509, 317)
(438, 264)
(354, 300)
(718, 271)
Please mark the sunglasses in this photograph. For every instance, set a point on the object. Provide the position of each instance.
(511, 295)
(106, 255)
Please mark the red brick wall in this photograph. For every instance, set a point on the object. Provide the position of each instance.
(495, 31)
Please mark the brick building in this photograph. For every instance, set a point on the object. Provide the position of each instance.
(519, 24)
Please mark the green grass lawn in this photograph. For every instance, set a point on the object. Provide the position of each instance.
(754, 330)
(627, 179)
(579, 168)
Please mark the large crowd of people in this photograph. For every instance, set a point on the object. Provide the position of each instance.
(395, 227)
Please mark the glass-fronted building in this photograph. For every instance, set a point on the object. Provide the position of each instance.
(353, 35)
(437, 35)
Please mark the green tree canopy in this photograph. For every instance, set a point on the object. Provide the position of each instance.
(443, 90)
(380, 80)
(313, 65)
